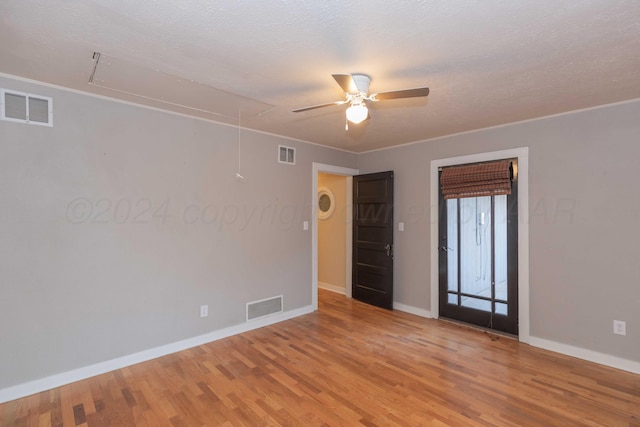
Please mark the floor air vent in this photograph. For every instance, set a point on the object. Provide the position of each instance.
(265, 307)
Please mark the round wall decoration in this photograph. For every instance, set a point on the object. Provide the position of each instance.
(326, 202)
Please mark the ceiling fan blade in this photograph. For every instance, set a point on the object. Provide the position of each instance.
(346, 83)
(313, 107)
(396, 94)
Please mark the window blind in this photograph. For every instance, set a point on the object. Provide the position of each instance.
(476, 180)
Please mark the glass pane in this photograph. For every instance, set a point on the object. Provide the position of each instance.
(501, 308)
(453, 299)
(478, 304)
(500, 212)
(475, 248)
(452, 245)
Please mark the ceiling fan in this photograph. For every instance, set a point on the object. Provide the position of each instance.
(356, 89)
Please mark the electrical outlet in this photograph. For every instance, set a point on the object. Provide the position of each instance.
(619, 327)
(204, 310)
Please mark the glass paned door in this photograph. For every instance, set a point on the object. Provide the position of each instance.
(478, 261)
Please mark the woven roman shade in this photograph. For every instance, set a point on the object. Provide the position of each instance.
(476, 180)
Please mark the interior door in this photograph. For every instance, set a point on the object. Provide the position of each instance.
(478, 260)
(373, 239)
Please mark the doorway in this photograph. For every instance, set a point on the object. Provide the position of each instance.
(348, 173)
(332, 232)
(478, 259)
(522, 155)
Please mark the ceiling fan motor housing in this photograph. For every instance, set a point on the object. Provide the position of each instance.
(362, 82)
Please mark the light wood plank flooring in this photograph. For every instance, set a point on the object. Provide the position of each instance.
(348, 364)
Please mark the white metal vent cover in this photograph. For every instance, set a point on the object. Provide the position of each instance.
(26, 108)
(286, 155)
(265, 307)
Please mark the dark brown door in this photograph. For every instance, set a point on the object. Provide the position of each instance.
(373, 239)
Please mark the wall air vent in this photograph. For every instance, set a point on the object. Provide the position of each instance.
(286, 155)
(265, 307)
(26, 108)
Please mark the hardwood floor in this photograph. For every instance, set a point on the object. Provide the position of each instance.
(347, 364)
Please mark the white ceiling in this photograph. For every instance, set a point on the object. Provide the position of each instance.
(486, 62)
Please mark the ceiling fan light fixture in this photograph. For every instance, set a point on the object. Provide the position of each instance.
(357, 113)
(356, 90)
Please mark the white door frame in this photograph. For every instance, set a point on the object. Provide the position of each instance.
(335, 170)
(522, 154)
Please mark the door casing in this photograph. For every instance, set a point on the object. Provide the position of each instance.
(522, 154)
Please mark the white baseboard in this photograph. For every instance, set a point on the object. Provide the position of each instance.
(412, 310)
(57, 380)
(590, 355)
(568, 350)
(333, 288)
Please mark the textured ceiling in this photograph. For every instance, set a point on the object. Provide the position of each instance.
(486, 62)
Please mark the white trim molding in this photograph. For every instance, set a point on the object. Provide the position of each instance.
(412, 310)
(585, 354)
(333, 288)
(58, 380)
(522, 154)
(163, 110)
(504, 125)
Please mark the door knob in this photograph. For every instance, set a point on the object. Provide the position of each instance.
(388, 248)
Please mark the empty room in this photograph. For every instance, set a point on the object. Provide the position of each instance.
(376, 213)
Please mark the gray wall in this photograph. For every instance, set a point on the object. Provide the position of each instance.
(117, 223)
(584, 221)
(82, 282)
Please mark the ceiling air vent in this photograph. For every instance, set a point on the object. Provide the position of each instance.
(26, 108)
(286, 155)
